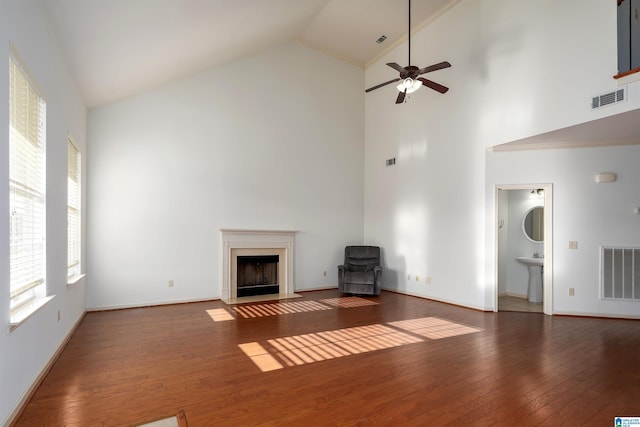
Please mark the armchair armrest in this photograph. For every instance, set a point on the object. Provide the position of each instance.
(341, 270)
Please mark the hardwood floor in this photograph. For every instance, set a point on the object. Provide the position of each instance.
(510, 303)
(328, 360)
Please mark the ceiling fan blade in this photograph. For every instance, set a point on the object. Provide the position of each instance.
(433, 85)
(401, 96)
(396, 67)
(383, 84)
(434, 67)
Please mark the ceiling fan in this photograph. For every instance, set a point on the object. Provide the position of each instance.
(409, 74)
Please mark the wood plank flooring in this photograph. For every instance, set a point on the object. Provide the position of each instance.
(510, 303)
(329, 360)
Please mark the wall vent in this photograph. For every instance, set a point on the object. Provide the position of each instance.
(391, 162)
(620, 273)
(381, 39)
(609, 98)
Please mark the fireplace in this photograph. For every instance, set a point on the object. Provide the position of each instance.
(256, 262)
(257, 275)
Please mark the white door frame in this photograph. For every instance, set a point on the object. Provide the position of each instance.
(547, 244)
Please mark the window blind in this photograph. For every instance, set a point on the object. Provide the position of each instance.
(27, 130)
(73, 210)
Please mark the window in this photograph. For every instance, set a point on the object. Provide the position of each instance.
(27, 134)
(73, 211)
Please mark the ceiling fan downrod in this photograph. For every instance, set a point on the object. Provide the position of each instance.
(409, 76)
(409, 33)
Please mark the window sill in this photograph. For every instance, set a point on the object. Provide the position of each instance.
(627, 73)
(27, 311)
(75, 279)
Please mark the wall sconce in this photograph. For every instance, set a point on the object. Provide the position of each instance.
(605, 178)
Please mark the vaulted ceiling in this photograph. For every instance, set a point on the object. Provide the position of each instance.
(117, 48)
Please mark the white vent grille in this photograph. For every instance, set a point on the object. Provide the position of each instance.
(609, 98)
(620, 273)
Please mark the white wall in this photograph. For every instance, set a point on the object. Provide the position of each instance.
(26, 350)
(583, 211)
(274, 141)
(520, 68)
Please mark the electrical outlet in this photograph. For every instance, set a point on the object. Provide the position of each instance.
(59, 315)
(572, 292)
(324, 273)
(427, 280)
(573, 244)
(171, 283)
(408, 277)
(417, 278)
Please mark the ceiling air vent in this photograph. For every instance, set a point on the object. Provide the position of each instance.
(609, 98)
(391, 161)
(381, 39)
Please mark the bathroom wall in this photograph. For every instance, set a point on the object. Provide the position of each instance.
(517, 275)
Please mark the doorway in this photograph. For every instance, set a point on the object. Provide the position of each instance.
(524, 257)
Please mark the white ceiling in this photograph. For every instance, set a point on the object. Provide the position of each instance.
(117, 48)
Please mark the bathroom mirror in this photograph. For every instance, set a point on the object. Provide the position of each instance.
(533, 224)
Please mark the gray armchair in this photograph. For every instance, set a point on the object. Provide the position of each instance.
(361, 271)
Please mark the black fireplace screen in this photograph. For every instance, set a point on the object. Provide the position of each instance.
(257, 275)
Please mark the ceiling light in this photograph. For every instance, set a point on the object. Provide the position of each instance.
(409, 85)
(536, 194)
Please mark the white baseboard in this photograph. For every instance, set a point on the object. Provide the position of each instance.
(412, 294)
(149, 304)
(598, 315)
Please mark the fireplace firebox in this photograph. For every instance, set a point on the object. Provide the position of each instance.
(257, 275)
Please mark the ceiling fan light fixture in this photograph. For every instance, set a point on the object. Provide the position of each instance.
(409, 84)
(409, 76)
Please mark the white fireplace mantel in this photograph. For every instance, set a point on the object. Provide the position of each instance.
(238, 240)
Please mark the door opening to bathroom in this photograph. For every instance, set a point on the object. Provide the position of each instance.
(523, 248)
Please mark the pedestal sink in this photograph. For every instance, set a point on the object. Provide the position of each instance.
(534, 292)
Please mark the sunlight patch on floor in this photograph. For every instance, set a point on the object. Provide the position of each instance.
(297, 350)
(290, 307)
(219, 314)
(260, 356)
(348, 302)
(278, 308)
(433, 327)
(316, 347)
